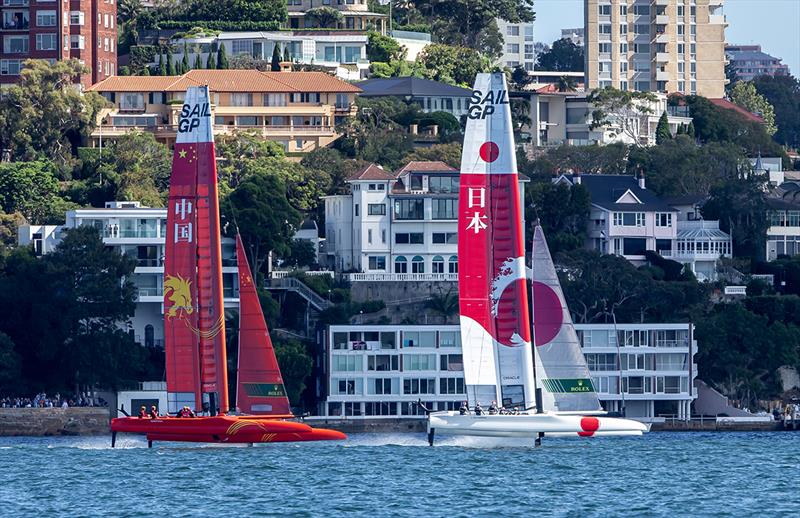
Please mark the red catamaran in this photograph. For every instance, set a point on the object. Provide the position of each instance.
(194, 318)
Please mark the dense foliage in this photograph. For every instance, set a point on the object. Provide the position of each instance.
(563, 56)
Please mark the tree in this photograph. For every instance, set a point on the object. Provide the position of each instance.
(259, 209)
(171, 71)
(235, 151)
(198, 62)
(731, 76)
(519, 78)
(608, 159)
(783, 93)
(444, 303)
(137, 168)
(332, 162)
(301, 253)
(30, 188)
(162, 64)
(662, 130)
(185, 60)
(567, 84)
(10, 366)
(621, 110)
(383, 48)
(324, 17)
(449, 153)
(561, 211)
(740, 207)
(222, 58)
(563, 56)
(211, 61)
(287, 56)
(44, 116)
(275, 66)
(744, 94)
(448, 64)
(296, 366)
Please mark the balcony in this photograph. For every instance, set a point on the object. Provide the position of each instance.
(402, 277)
(662, 19)
(662, 75)
(690, 256)
(661, 37)
(662, 57)
(718, 19)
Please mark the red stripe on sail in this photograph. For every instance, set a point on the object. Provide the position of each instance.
(258, 366)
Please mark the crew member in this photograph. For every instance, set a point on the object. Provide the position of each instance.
(464, 410)
(493, 408)
(153, 412)
(186, 412)
(143, 412)
(478, 409)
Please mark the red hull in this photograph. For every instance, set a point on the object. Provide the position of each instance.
(223, 429)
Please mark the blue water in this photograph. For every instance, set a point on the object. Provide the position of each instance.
(660, 474)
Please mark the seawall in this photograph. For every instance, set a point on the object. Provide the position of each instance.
(45, 422)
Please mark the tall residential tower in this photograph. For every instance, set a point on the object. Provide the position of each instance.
(656, 45)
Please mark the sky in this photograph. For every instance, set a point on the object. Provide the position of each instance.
(775, 24)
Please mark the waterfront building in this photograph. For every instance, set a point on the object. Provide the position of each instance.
(518, 46)
(656, 45)
(749, 62)
(299, 110)
(383, 370)
(430, 96)
(341, 51)
(138, 232)
(559, 118)
(46, 29)
(396, 226)
(626, 219)
(783, 216)
(355, 15)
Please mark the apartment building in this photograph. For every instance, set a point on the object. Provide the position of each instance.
(518, 46)
(430, 96)
(656, 45)
(296, 109)
(627, 219)
(399, 226)
(139, 232)
(383, 370)
(56, 30)
(749, 62)
(783, 216)
(355, 15)
(342, 52)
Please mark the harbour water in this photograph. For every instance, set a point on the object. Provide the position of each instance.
(660, 474)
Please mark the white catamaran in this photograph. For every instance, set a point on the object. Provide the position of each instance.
(537, 368)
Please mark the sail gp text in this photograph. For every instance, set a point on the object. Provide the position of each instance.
(191, 115)
(481, 106)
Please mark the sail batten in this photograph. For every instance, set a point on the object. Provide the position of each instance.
(259, 385)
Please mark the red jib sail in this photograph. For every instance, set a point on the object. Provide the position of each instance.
(194, 321)
(259, 387)
(493, 300)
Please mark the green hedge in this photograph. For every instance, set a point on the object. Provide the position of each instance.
(220, 25)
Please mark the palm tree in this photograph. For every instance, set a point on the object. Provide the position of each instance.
(566, 84)
(445, 304)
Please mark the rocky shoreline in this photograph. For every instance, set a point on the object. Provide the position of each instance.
(48, 422)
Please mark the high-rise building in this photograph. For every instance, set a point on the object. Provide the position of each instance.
(749, 62)
(518, 45)
(54, 30)
(656, 45)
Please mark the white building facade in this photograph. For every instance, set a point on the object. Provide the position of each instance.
(518, 46)
(140, 232)
(384, 370)
(395, 227)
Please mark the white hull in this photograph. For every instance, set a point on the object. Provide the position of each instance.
(530, 425)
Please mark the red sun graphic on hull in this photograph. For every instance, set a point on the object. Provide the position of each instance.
(548, 315)
(589, 426)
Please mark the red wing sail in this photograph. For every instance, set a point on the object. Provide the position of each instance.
(194, 322)
(259, 388)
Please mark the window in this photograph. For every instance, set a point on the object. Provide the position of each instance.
(408, 209)
(663, 219)
(419, 339)
(605, 47)
(46, 19)
(411, 238)
(76, 18)
(452, 264)
(512, 48)
(355, 209)
(383, 362)
(437, 264)
(347, 387)
(451, 362)
(451, 386)
(623, 28)
(241, 99)
(377, 262)
(604, 10)
(131, 101)
(10, 67)
(634, 246)
(380, 386)
(449, 339)
(16, 44)
(641, 10)
(442, 238)
(623, 48)
(376, 209)
(46, 41)
(445, 209)
(681, 30)
(623, 10)
(641, 48)
(512, 30)
(680, 10)
(347, 363)
(602, 361)
(629, 219)
(77, 42)
(417, 264)
(642, 29)
(274, 99)
(305, 97)
(604, 28)
(400, 265)
(419, 362)
(419, 386)
(443, 184)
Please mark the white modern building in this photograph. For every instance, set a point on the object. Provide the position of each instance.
(344, 52)
(139, 232)
(783, 233)
(396, 226)
(384, 370)
(413, 42)
(627, 219)
(518, 46)
(566, 118)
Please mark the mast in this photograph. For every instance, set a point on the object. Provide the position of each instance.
(194, 319)
(493, 297)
